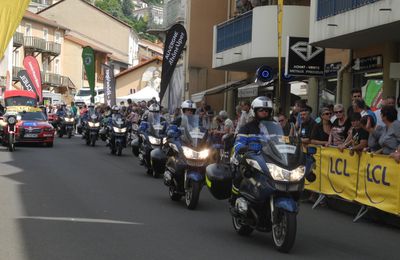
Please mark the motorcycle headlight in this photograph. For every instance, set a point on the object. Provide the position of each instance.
(69, 120)
(280, 174)
(91, 124)
(154, 141)
(119, 130)
(164, 140)
(192, 154)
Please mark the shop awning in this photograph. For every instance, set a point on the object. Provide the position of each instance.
(197, 97)
(250, 90)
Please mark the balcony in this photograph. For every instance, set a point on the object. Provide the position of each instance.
(353, 24)
(328, 8)
(34, 44)
(15, 71)
(250, 40)
(53, 48)
(51, 79)
(174, 11)
(18, 39)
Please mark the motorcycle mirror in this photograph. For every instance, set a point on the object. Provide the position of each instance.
(311, 177)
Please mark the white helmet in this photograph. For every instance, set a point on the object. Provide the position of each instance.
(115, 108)
(155, 108)
(188, 104)
(223, 114)
(261, 102)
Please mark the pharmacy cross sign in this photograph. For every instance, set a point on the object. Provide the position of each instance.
(303, 59)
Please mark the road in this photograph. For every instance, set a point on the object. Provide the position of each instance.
(77, 202)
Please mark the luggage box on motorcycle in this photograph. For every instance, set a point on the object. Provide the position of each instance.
(219, 180)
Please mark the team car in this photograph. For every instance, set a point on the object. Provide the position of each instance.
(32, 126)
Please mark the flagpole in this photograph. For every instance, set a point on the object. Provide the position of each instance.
(279, 29)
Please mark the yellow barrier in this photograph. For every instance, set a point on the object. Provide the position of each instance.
(315, 185)
(372, 180)
(379, 183)
(339, 172)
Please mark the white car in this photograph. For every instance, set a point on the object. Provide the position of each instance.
(83, 96)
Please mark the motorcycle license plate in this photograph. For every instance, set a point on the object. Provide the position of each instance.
(30, 135)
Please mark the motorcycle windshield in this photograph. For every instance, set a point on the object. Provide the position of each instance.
(193, 132)
(119, 121)
(154, 120)
(284, 151)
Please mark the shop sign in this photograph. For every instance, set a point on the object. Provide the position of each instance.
(368, 63)
(331, 69)
(303, 59)
(248, 91)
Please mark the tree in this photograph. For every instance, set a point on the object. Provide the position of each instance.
(127, 7)
(112, 7)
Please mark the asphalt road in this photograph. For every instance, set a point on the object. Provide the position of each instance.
(77, 202)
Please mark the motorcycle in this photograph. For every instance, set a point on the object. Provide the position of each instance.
(66, 126)
(186, 164)
(273, 179)
(92, 128)
(118, 134)
(11, 120)
(151, 152)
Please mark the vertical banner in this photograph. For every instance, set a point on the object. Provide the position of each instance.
(339, 172)
(89, 64)
(26, 82)
(173, 47)
(11, 13)
(109, 85)
(32, 68)
(379, 183)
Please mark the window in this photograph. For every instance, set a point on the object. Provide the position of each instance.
(45, 34)
(58, 37)
(16, 58)
(28, 29)
(57, 66)
(45, 64)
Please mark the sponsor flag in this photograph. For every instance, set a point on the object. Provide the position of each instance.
(339, 172)
(89, 64)
(173, 47)
(26, 82)
(11, 13)
(379, 183)
(32, 68)
(109, 85)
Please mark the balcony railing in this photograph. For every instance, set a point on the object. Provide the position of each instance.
(34, 43)
(328, 8)
(52, 79)
(18, 39)
(15, 71)
(235, 32)
(53, 48)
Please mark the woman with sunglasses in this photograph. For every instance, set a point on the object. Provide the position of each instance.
(321, 131)
(340, 126)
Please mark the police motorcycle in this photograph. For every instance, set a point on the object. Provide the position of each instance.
(187, 161)
(273, 180)
(152, 135)
(91, 129)
(66, 126)
(11, 118)
(117, 135)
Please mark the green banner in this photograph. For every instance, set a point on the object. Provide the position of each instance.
(89, 63)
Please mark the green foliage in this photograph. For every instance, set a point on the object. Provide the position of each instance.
(154, 2)
(123, 11)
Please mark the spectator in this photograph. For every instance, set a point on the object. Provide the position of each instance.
(340, 127)
(357, 138)
(320, 132)
(284, 122)
(356, 94)
(246, 116)
(74, 110)
(307, 124)
(389, 140)
(238, 111)
(374, 131)
(294, 116)
(389, 101)
(360, 107)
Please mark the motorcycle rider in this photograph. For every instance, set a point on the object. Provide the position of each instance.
(249, 135)
(154, 111)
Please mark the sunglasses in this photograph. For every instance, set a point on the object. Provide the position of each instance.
(339, 112)
(262, 110)
(327, 113)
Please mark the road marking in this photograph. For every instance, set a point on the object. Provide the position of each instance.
(82, 220)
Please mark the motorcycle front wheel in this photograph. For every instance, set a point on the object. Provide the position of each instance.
(11, 145)
(119, 149)
(192, 195)
(240, 228)
(173, 194)
(284, 230)
(93, 142)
